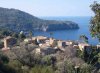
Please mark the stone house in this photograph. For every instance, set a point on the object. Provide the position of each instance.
(45, 51)
(61, 44)
(69, 43)
(39, 40)
(9, 42)
(51, 41)
(83, 46)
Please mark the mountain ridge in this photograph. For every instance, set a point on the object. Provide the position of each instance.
(18, 20)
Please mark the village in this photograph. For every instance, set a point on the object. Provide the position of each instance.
(44, 45)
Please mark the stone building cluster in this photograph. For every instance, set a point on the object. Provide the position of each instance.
(46, 45)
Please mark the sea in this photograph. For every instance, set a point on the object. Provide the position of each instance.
(83, 22)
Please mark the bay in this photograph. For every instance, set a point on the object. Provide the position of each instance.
(83, 23)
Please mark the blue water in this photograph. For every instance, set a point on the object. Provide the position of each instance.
(83, 23)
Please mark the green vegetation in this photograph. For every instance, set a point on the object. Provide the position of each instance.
(95, 21)
(84, 38)
(41, 69)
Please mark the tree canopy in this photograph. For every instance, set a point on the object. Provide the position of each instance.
(95, 21)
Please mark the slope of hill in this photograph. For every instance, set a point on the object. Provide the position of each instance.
(17, 20)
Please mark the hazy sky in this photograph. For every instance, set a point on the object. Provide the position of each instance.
(51, 7)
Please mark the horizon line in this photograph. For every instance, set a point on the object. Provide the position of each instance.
(63, 16)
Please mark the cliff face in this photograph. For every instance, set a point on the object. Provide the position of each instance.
(17, 20)
(61, 25)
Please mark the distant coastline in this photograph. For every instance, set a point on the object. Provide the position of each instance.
(17, 20)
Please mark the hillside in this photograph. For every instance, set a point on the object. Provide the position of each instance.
(17, 20)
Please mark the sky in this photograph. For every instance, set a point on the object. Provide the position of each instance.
(51, 7)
